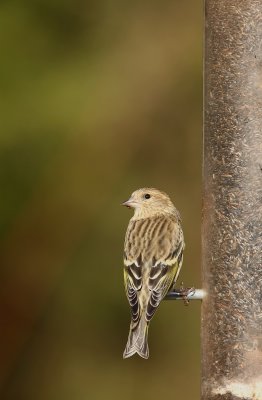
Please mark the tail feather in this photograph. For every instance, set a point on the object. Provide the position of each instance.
(137, 340)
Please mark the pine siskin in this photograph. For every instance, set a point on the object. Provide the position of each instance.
(153, 255)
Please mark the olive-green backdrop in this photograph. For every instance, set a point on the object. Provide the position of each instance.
(98, 98)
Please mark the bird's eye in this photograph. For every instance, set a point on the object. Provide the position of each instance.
(147, 196)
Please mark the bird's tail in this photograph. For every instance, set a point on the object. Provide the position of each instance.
(137, 340)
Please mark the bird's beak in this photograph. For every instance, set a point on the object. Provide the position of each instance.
(129, 203)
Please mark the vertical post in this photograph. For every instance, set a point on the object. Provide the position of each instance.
(232, 203)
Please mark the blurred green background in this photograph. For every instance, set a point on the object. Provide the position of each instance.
(98, 98)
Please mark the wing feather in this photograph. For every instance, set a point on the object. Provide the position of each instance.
(160, 282)
(133, 284)
(163, 275)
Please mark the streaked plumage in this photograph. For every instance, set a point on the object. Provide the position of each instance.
(153, 255)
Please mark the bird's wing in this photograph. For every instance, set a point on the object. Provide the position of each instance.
(133, 264)
(164, 273)
(161, 279)
(133, 283)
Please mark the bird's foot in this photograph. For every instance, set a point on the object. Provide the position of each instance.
(185, 293)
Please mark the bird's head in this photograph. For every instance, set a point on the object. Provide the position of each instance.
(148, 202)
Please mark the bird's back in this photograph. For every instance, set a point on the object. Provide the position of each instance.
(151, 239)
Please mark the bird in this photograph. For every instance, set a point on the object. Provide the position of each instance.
(153, 256)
